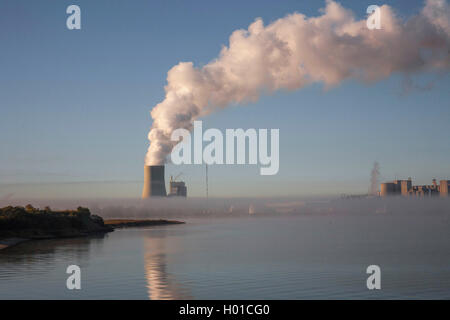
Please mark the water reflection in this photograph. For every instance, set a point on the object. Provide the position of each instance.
(312, 257)
(161, 284)
(39, 257)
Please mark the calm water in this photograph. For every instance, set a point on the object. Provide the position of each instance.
(241, 258)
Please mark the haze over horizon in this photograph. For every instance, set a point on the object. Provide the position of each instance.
(75, 105)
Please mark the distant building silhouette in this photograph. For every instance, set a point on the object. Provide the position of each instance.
(405, 188)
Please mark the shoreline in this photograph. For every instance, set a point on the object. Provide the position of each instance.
(129, 223)
(9, 242)
(109, 226)
(6, 243)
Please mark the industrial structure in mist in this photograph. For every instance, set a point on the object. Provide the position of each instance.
(177, 188)
(155, 184)
(405, 188)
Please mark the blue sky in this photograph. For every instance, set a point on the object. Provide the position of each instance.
(75, 104)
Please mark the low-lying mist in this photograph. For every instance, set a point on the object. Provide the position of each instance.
(239, 207)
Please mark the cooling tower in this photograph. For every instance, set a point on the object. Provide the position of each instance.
(154, 183)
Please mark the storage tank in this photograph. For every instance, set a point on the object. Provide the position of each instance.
(406, 185)
(387, 189)
(443, 187)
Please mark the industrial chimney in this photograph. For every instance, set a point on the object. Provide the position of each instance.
(154, 183)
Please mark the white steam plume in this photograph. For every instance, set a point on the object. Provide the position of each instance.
(295, 51)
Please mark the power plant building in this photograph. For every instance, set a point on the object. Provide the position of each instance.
(178, 189)
(405, 188)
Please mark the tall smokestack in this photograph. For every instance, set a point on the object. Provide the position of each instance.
(154, 183)
(375, 173)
